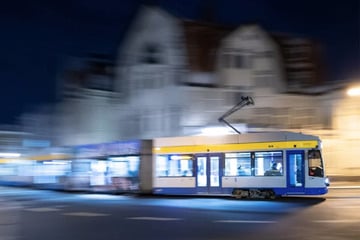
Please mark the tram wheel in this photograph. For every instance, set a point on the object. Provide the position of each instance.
(269, 194)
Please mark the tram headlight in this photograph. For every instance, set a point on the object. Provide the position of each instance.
(327, 181)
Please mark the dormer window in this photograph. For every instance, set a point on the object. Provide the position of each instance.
(236, 60)
(150, 54)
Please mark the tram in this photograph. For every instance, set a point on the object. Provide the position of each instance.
(251, 165)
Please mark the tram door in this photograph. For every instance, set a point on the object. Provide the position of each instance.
(208, 178)
(295, 171)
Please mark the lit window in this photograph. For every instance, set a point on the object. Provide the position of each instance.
(269, 163)
(237, 164)
(174, 166)
(125, 166)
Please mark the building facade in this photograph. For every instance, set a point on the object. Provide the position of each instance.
(197, 71)
(175, 77)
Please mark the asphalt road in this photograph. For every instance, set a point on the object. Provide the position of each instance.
(35, 215)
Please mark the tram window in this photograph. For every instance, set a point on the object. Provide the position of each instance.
(268, 163)
(315, 163)
(81, 166)
(237, 164)
(161, 166)
(98, 166)
(174, 166)
(124, 166)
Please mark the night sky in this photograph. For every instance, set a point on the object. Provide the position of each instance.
(36, 36)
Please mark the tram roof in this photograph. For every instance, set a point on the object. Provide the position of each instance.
(235, 138)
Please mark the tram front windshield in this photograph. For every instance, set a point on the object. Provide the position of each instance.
(316, 167)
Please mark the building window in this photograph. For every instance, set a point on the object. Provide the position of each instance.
(151, 54)
(226, 60)
(236, 60)
(248, 61)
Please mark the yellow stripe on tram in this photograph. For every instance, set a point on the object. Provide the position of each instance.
(236, 147)
(4, 160)
(50, 157)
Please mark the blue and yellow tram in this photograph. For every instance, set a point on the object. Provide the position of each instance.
(248, 165)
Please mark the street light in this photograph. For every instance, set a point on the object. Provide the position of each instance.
(353, 92)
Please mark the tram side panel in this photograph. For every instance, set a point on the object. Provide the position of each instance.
(174, 185)
(276, 171)
(276, 183)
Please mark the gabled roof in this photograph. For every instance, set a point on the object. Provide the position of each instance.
(202, 41)
(201, 38)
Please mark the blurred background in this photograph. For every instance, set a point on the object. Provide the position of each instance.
(85, 72)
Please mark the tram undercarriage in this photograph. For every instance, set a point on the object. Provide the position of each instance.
(253, 194)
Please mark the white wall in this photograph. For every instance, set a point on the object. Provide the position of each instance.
(152, 100)
(262, 69)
